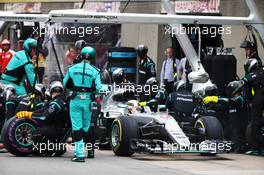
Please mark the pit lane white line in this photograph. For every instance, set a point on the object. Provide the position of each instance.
(106, 163)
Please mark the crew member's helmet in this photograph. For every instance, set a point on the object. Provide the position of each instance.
(161, 97)
(152, 81)
(179, 85)
(29, 44)
(247, 44)
(10, 88)
(152, 85)
(251, 65)
(142, 50)
(87, 53)
(233, 87)
(56, 86)
(40, 90)
(118, 76)
(80, 44)
(211, 90)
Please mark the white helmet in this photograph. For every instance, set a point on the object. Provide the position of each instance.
(10, 88)
(132, 106)
(179, 85)
(118, 75)
(56, 86)
(152, 81)
(9, 91)
(40, 89)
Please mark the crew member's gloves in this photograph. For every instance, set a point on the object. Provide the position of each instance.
(143, 103)
(24, 114)
(209, 99)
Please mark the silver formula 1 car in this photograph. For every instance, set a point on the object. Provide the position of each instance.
(149, 128)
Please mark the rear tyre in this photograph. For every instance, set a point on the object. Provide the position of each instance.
(60, 152)
(17, 136)
(123, 130)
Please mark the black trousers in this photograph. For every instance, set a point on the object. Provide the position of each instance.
(257, 117)
(52, 133)
(52, 137)
(168, 86)
(41, 71)
(238, 124)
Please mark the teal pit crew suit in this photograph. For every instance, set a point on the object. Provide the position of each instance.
(20, 67)
(82, 79)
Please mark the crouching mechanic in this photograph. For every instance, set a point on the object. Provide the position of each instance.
(53, 116)
(21, 68)
(82, 80)
(237, 114)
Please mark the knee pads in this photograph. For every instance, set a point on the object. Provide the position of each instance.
(90, 136)
(77, 135)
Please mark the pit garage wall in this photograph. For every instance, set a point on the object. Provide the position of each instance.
(238, 8)
(154, 35)
(148, 34)
(151, 35)
(155, 38)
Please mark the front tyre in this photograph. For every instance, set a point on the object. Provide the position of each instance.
(212, 130)
(123, 130)
(212, 127)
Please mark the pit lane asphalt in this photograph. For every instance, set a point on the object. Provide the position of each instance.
(106, 163)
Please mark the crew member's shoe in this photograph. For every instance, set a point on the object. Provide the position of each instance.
(90, 154)
(78, 159)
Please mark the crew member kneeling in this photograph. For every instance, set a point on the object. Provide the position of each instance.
(82, 79)
(237, 114)
(53, 116)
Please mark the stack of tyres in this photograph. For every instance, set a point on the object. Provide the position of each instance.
(221, 69)
(125, 58)
(207, 62)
